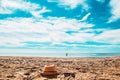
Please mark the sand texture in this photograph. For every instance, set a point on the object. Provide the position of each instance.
(30, 68)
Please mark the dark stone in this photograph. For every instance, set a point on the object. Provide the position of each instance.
(69, 74)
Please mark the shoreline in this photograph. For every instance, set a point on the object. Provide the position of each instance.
(63, 56)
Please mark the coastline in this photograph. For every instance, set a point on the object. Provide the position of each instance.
(89, 68)
(63, 55)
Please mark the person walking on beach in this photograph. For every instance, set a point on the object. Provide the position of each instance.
(66, 54)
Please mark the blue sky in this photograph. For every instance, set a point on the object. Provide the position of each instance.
(83, 26)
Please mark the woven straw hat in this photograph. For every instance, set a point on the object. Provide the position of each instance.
(49, 70)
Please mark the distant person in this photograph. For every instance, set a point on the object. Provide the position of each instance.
(66, 54)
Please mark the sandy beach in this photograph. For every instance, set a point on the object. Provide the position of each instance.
(30, 68)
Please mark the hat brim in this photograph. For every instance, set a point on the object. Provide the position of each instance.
(50, 73)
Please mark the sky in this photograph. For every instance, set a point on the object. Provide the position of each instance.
(83, 26)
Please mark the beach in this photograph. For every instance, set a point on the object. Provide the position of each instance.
(30, 68)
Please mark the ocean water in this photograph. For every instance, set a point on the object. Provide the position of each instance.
(62, 54)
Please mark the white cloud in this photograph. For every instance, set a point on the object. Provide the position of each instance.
(15, 31)
(37, 14)
(110, 36)
(115, 4)
(70, 4)
(19, 39)
(10, 6)
(5, 11)
(85, 17)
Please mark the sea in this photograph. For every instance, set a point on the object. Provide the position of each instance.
(62, 55)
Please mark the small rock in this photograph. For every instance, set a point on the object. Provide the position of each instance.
(67, 74)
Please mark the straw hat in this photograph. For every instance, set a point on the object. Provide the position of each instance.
(49, 70)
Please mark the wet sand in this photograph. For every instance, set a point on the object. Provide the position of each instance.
(29, 68)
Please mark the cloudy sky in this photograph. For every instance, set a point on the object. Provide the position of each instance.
(60, 25)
